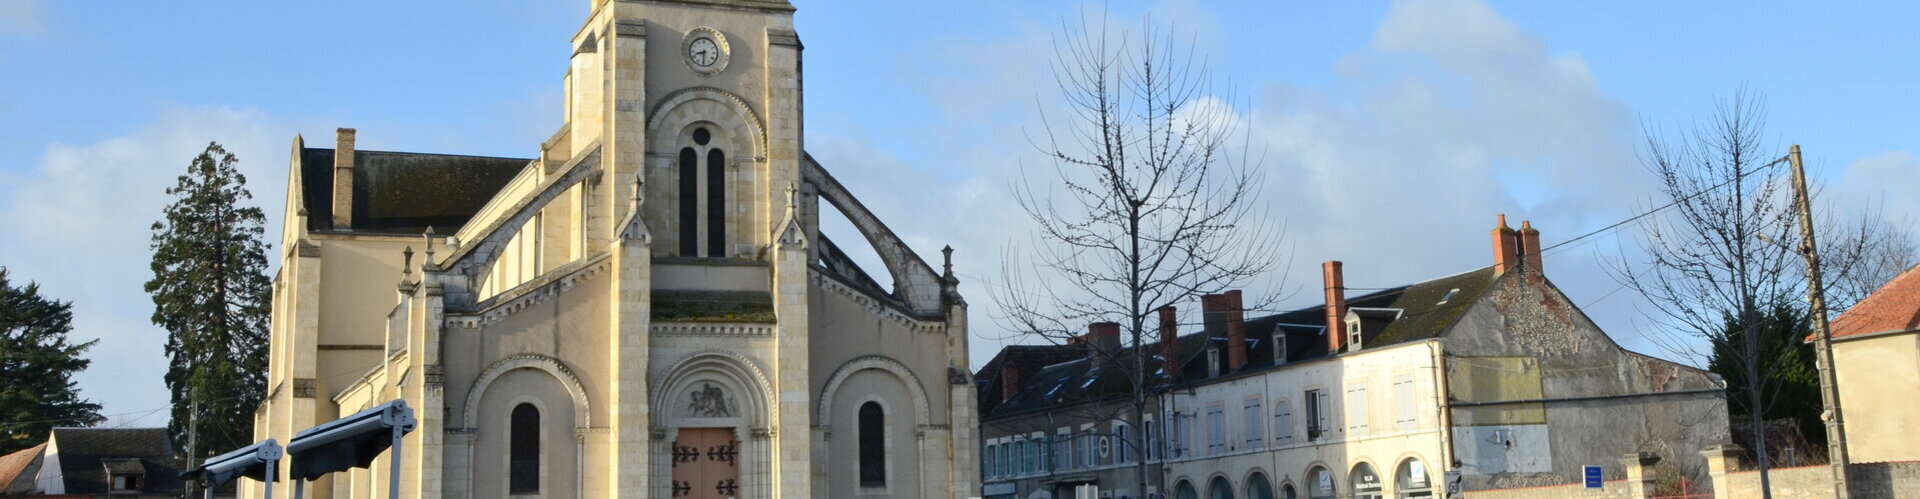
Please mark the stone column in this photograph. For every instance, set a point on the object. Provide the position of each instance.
(1640, 476)
(760, 443)
(1722, 460)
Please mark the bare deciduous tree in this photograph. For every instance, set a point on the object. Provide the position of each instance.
(1150, 204)
(1723, 256)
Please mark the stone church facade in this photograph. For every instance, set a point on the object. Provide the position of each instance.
(646, 309)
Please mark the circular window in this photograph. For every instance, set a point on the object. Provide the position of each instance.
(701, 136)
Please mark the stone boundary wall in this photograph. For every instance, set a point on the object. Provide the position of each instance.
(1898, 479)
(1637, 485)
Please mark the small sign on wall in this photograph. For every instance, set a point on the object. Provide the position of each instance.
(1593, 477)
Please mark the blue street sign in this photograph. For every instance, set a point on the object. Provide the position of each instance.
(1593, 477)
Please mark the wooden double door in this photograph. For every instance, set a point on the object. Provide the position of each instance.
(706, 464)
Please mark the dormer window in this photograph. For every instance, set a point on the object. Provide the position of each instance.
(1213, 361)
(124, 475)
(1279, 346)
(1353, 335)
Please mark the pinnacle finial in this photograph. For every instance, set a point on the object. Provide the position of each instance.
(793, 195)
(946, 253)
(406, 265)
(428, 236)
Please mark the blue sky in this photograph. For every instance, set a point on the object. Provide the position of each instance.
(1393, 131)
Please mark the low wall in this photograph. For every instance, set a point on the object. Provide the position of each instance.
(1891, 479)
(1637, 485)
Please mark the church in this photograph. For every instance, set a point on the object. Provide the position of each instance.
(645, 308)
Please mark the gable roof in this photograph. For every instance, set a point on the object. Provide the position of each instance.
(1418, 311)
(403, 192)
(1892, 308)
(87, 453)
(17, 470)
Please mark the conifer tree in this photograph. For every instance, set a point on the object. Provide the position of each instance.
(37, 363)
(211, 293)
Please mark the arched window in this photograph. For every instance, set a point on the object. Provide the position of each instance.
(1320, 483)
(873, 458)
(1411, 479)
(689, 202)
(1185, 491)
(1287, 492)
(523, 442)
(1366, 484)
(716, 203)
(1258, 487)
(1219, 488)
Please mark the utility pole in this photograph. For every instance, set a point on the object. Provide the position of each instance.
(193, 428)
(1823, 338)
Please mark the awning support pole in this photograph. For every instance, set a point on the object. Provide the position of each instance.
(393, 482)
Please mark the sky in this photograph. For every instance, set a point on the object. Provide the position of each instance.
(1390, 133)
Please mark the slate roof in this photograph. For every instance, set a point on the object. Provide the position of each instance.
(1028, 358)
(1893, 307)
(402, 192)
(18, 470)
(1423, 310)
(84, 455)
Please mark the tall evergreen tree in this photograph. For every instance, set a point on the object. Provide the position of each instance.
(37, 363)
(211, 293)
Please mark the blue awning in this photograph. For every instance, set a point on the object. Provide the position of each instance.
(349, 442)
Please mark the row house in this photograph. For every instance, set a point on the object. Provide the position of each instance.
(1486, 379)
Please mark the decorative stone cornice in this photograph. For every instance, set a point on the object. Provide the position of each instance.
(875, 305)
(710, 329)
(627, 26)
(784, 37)
(532, 293)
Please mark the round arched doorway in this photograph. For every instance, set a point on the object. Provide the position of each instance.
(1320, 484)
(1218, 488)
(1184, 490)
(1364, 482)
(1411, 479)
(1258, 487)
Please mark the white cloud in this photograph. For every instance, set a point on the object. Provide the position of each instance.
(21, 17)
(79, 224)
(1451, 115)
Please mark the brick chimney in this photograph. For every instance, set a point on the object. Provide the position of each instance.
(1530, 246)
(1169, 343)
(1103, 342)
(1009, 381)
(1506, 247)
(343, 178)
(1336, 287)
(1236, 332)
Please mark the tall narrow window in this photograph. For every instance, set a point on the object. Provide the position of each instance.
(523, 442)
(716, 204)
(689, 203)
(873, 459)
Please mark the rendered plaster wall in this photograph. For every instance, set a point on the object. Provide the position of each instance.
(1526, 336)
(1880, 427)
(1110, 476)
(1382, 432)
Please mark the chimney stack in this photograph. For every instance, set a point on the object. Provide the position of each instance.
(343, 178)
(1506, 247)
(1530, 246)
(1169, 344)
(1103, 342)
(1009, 381)
(1336, 288)
(1236, 332)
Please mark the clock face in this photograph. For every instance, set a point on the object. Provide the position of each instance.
(703, 52)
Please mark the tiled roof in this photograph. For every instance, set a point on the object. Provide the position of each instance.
(84, 453)
(1893, 307)
(1422, 310)
(404, 193)
(17, 470)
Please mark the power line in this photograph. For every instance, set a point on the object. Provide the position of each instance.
(1738, 176)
